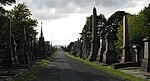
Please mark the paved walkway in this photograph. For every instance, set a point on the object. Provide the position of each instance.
(64, 68)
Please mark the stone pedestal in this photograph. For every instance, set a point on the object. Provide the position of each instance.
(23, 54)
(110, 55)
(145, 65)
(7, 58)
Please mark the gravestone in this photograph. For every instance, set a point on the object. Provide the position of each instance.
(7, 56)
(102, 45)
(135, 53)
(95, 39)
(110, 55)
(145, 65)
(126, 56)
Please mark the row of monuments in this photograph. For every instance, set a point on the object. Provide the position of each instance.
(102, 47)
(25, 53)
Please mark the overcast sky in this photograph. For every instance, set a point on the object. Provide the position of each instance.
(63, 20)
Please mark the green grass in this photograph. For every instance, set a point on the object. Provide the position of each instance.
(40, 64)
(114, 72)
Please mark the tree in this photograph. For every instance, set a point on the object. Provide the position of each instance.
(9, 2)
(137, 27)
(3, 18)
(21, 16)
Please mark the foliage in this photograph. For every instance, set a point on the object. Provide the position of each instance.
(68, 49)
(9, 2)
(21, 16)
(117, 17)
(137, 28)
(146, 12)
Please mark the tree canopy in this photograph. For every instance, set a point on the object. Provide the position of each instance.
(9, 2)
(138, 28)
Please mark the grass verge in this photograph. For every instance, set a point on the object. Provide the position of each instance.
(114, 72)
(40, 64)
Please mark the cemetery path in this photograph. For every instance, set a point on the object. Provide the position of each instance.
(65, 68)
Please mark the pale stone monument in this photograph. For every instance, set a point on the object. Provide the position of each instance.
(126, 56)
(145, 65)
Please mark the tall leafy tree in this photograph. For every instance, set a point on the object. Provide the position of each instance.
(3, 18)
(139, 28)
(21, 16)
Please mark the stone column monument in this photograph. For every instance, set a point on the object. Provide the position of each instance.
(23, 53)
(7, 56)
(102, 45)
(126, 56)
(145, 65)
(94, 40)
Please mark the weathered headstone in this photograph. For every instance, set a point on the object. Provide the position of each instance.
(7, 56)
(126, 56)
(135, 53)
(145, 65)
(95, 39)
(110, 55)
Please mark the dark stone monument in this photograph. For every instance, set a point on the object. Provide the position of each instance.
(79, 54)
(145, 65)
(102, 45)
(7, 56)
(41, 53)
(110, 55)
(95, 39)
(84, 48)
(126, 56)
(23, 52)
(14, 48)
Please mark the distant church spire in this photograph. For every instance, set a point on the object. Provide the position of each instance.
(41, 30)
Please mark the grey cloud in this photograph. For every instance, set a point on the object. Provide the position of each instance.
(75, 6)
